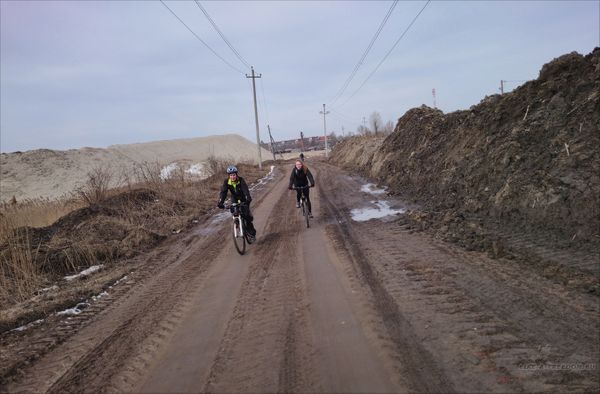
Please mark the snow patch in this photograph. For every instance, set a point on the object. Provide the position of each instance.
(118, 281)
(28, 325)
(99, 296)
(47, 289)
(372, 189)
(382, 210)
(262, 181)
(86, 272)
(166, 171)
(76, 310)
(196, 169)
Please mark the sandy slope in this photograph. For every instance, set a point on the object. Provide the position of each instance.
(52, 173)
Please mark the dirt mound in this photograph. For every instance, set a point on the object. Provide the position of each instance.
(100, 233)
(528, 159)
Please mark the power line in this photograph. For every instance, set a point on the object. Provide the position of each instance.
(342, 116)
(214, 25)
(365, 53)
(388, 53)
(201, 40)
(262, 88)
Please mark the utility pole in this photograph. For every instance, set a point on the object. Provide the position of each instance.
(433, 93)
(271, 142)
(301, 142)
(324, 112)
(504, 81)
(256, 115)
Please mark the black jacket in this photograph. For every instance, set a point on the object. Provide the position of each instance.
(239, 191)
(301, 177)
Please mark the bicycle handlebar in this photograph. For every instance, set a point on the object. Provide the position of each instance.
(302, 187)
(235, 204)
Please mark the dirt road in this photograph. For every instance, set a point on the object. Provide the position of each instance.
(344, 306)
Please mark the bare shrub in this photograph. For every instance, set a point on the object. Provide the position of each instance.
(147, 174)
(216, 166)
(96, 188)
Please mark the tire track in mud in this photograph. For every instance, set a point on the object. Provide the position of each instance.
(267, 346)
(92, 358)
(34, 344)
(482, 318)
(418, 365)
(486, 313)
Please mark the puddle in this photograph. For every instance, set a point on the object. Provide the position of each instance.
(381, 211)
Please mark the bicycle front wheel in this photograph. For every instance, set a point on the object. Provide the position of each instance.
(240, 240)
(305, 213)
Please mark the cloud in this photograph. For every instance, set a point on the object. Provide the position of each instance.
(100, 73)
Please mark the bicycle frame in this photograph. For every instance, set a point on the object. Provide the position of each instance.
(304, 205)
(239, 233)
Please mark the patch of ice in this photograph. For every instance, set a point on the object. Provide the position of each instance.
(371, 189)
(166, 171)
(85, 272)
(76, 310)
(262, 181)
(382, 210)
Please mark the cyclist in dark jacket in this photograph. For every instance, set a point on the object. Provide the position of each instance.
(239, 193)
(301, 176)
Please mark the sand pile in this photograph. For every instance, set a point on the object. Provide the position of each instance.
(52, 173)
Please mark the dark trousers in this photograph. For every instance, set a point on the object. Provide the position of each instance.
(300, 192)
(247, 214)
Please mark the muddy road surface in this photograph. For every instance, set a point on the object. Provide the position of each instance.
(352, 304)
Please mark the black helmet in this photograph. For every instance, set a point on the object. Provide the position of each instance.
(232, 170)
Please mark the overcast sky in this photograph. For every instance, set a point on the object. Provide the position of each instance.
(97, 73)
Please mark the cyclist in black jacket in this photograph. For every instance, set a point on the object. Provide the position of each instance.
(239, 193)
(301, 176)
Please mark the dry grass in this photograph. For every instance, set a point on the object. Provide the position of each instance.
(34, 213)
(20, 275)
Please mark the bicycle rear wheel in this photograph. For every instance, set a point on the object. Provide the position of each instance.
(239, 241)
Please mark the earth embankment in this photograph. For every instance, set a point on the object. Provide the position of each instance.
(527, 160)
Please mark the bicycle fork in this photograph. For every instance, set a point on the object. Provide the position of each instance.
(238, 230)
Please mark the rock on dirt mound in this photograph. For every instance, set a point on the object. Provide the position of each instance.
(530, 157)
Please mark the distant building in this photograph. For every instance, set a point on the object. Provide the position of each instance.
(295, 145)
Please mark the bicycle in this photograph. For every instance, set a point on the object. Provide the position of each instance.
(304, 205)
(240, 236)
